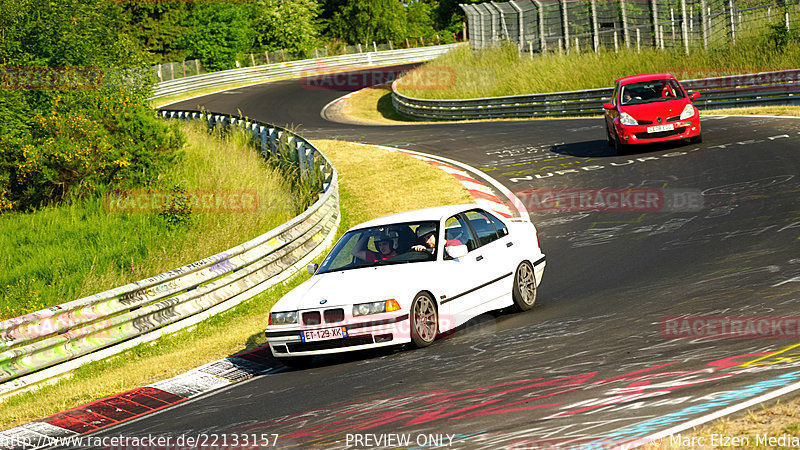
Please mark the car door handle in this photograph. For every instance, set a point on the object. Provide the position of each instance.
(509, 244)
(480, 257)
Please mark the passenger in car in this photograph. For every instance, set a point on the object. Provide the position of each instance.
(383, 243)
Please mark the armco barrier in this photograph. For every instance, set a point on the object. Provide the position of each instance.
(760, 89)
(258, 74)
(56, 335)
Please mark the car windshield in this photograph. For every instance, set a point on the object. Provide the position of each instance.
(651, 91)
(399, 243)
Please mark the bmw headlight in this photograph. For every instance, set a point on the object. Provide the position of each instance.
(363, 309)
(626, 119)
(688, 111)
(283, 318)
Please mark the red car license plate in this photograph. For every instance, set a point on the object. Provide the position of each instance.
(660, 128)
(324, 334)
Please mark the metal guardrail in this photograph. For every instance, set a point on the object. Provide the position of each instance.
(259, 74)
(759, 89)
(59, 334)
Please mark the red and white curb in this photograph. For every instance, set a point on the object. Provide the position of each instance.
(57, 429)
(483, 195)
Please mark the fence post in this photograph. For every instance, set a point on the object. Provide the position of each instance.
(565, 20)
(616, 44)
(704, 20)
(625, 32)
(540, 13)
(638, 41)
(595, 28)
(197, 66)
(654, 9)
(732, 9)
(684, 29)
(577, 47)
(520, 24)
(183, 66)
(266, 55)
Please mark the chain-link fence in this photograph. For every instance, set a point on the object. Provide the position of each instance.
(586, 25)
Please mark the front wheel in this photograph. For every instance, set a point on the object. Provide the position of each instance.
(424, 320)
(619, 146)
(696, 139)
(524, 292)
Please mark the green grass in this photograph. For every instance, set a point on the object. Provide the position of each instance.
(61, 253)
(364, 194)
(501, 71)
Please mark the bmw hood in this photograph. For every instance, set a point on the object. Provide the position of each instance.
(347, 287)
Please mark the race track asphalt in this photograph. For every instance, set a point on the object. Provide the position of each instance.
(594, 362)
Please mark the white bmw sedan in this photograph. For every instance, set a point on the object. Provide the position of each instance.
(405, 278)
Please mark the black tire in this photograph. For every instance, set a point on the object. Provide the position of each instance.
(609, 141)
(297, 362)
(696, 139)
(524, 292)
(423, 320)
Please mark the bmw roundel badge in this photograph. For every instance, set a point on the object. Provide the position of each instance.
(323, 301)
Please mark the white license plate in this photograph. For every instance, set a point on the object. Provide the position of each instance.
(660, 128)
(324, 334)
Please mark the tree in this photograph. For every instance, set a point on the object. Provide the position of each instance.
(365, 21)
(216, 32)
(290, 25)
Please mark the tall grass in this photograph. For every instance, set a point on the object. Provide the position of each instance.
(59, 253)
(502, 71)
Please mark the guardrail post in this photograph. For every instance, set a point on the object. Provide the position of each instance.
(301, 157)
(264, 134)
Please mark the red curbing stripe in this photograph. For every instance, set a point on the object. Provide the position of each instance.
(485, 196)
(460, 177)
(505, 215)
(112, 410)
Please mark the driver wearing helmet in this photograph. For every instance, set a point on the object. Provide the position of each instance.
(383, 243)
(427, 235)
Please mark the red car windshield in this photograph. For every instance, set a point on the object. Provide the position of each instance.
(650, 91)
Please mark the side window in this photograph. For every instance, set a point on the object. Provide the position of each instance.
(456, 229)
(614, 95)
(483, 227)
(501, 228)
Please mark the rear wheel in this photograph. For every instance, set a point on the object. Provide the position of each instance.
(424, 320)
(524, 292)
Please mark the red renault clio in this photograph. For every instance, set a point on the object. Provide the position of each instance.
(649, 108)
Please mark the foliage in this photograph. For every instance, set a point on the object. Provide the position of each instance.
(89, 128)
(780, 37)
(217, 32)
(366, 21)
(291, 25)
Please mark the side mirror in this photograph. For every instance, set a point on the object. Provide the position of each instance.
(312, 268)
(456, 251)
(694, 95)
(608, 106)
